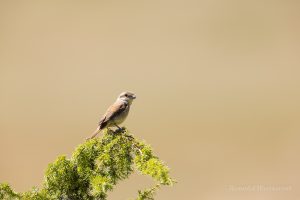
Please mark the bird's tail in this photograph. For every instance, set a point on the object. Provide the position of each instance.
(95, 133)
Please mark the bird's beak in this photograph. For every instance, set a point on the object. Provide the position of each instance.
(134, 97)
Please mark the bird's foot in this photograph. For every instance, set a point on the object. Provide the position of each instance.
(119, 129)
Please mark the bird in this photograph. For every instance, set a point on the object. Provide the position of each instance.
(116, 113)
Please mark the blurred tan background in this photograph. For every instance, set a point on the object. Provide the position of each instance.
(217, 83)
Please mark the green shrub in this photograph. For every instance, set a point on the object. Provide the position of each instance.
(95, 168)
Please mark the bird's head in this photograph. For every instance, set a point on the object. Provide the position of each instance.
(127, 96)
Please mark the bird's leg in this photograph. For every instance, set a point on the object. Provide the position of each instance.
(119, 128)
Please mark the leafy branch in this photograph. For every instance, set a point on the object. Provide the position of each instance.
(95, 168)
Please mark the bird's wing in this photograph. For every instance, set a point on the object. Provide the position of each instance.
(113, 111)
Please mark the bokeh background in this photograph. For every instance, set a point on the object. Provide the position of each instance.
(218, 86)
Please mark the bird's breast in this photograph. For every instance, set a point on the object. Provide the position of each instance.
(122, 116)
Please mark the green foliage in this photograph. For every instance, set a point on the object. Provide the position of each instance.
(148, 194)
(150, 165)
(7, 193)
(95, 168)
(35, 194)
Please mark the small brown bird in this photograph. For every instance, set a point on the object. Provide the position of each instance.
(116, 113)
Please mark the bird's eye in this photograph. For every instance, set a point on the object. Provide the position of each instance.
(126, 95)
